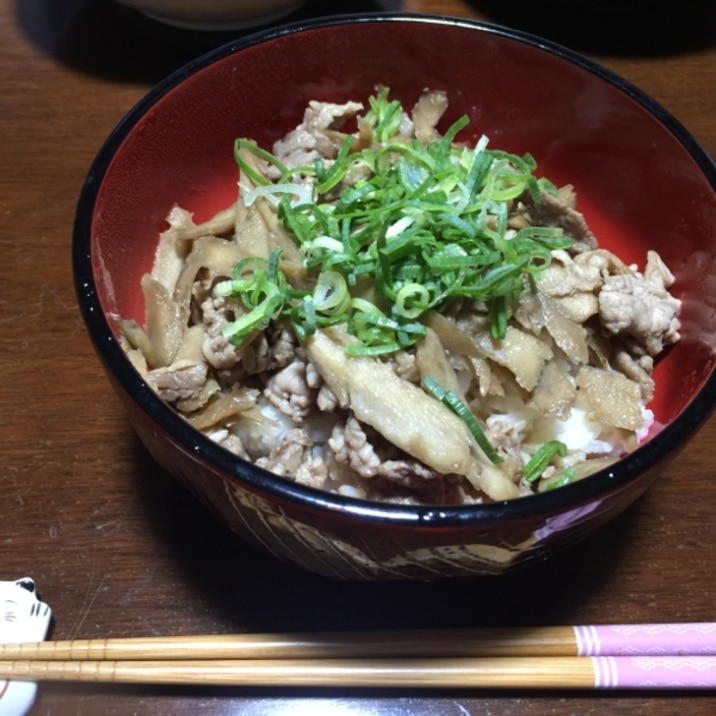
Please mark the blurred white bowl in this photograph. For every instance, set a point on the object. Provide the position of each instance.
(214, 14)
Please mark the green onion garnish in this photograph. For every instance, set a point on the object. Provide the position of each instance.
(452, 401)
(564, 479)
(538, 463)
(427, 223)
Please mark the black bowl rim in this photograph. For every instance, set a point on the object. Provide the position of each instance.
(572, 496)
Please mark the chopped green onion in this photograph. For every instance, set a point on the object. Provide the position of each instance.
(256, 319)
(379, 349)
(255, 176)
(427, 223)
(331, 293)
(385, 115)
(275, 192)
(412, 300)
(538, 463)
(498, 317)
(452, 401)
(564, 479)
(338, 169)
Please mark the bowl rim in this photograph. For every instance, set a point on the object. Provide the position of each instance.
(263, 482)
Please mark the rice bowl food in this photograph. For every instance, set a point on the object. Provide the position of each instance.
(390, 314)
(454, 365)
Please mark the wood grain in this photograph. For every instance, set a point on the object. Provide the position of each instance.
(118, 549)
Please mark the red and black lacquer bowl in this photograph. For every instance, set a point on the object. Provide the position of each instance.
(643, 183)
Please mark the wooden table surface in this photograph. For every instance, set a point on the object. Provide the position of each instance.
(118, 549)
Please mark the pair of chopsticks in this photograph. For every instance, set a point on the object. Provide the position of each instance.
(641, 656)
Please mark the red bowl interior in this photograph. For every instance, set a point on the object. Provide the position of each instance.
(638, 178)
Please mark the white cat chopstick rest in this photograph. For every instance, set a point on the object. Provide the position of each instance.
(23, 617)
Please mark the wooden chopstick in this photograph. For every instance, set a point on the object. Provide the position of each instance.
(674, 672)
(681, 639)
(664, 656)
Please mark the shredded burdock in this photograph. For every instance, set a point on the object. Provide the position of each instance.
(388, 313)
